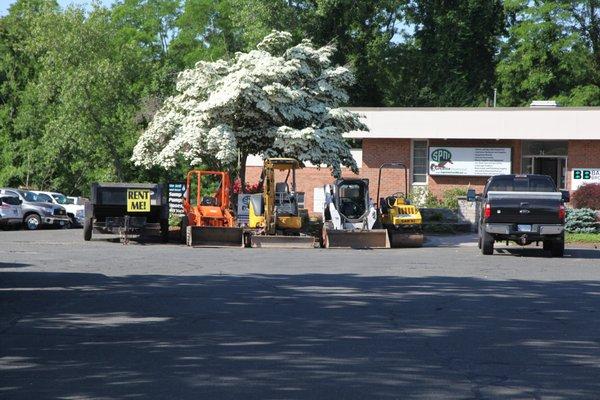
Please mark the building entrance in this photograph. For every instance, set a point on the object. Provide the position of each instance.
(546, 158)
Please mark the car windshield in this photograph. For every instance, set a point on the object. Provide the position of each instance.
(522, 184)
(60, 198)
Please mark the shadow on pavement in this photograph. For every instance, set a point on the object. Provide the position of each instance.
(540, 253)
(315, 336)
(12, 265)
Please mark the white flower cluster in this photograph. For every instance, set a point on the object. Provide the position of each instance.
(275, 101)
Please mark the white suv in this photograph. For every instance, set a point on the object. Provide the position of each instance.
(11, 213)
(74, 211)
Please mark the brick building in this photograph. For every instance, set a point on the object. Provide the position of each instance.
(461, 147)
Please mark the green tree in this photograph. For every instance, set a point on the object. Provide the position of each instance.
(549, 53)
(85, 95)
(17, 68)
(450, 59)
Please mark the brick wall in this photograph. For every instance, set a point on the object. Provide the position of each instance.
(375, 153)
(582, 154)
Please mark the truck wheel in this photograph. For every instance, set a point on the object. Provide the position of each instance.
(32, 222)
(183, 229)
(558, 247)
(87, 229)
(487, 243)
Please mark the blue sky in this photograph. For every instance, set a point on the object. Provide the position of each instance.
(4, 4)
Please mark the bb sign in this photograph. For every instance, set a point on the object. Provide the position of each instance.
(583, 176)
(138, 200)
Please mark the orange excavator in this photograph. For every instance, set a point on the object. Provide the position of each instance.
(209, 220)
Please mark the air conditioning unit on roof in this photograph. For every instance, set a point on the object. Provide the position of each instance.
(544, 104)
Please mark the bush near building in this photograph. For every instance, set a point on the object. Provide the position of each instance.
(587, 196)
(582, 220)
(450, 197)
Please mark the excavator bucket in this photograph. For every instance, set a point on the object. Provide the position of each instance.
(356, 239)
(282, 241)
(406, 239)
(212, 236)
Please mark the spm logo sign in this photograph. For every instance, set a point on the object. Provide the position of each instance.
(441, 155)
(138, 200)
(440, 158)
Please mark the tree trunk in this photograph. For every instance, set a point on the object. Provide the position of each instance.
(242, 172)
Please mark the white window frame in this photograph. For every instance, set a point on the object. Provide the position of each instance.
(412, 162)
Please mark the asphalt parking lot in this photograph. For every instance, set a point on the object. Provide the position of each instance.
(101, 320)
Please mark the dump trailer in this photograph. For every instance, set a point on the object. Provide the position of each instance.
(349, 217)
(402, 220)
(275, 218)
(127, 209)
(209, 219)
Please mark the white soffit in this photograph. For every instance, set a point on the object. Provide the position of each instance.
(480, 123)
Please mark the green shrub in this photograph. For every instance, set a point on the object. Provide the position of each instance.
(422, 197)
(174, 220)
(451, 197)
(581, 220)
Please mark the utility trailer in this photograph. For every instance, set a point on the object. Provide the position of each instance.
(127, 208)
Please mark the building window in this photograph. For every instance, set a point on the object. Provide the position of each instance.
(419, 162)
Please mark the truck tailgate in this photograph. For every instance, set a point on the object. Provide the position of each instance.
(524, 207)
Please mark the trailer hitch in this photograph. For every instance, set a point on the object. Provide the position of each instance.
(523, 240)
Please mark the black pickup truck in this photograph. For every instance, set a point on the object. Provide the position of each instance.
(523, 209)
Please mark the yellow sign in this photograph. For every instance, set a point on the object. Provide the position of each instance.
(138, 200)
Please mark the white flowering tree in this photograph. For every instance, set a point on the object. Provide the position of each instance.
(277, 100)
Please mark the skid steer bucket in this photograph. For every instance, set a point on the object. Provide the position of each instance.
(212, 236)
(356, 239)
(282, 241)
(406, 239)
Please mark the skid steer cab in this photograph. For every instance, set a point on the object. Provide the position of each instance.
(349, 217)
(402, 220)
(209, 219)
(275, 218)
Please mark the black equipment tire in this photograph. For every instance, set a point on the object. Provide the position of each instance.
(183, 229)
(87, 229)
(164, 230)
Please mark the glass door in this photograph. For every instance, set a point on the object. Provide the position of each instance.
(554, 167)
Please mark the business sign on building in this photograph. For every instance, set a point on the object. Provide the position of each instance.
(243, 208)
(582, 176)
(469, 161)
(176, 196)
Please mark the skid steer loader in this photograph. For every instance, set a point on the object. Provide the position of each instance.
(402, 220)
(349, 217)
(275, 220)
(209, 220)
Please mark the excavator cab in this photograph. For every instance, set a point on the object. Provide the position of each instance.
(209, 220)
(275, 218)
(402, 220)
